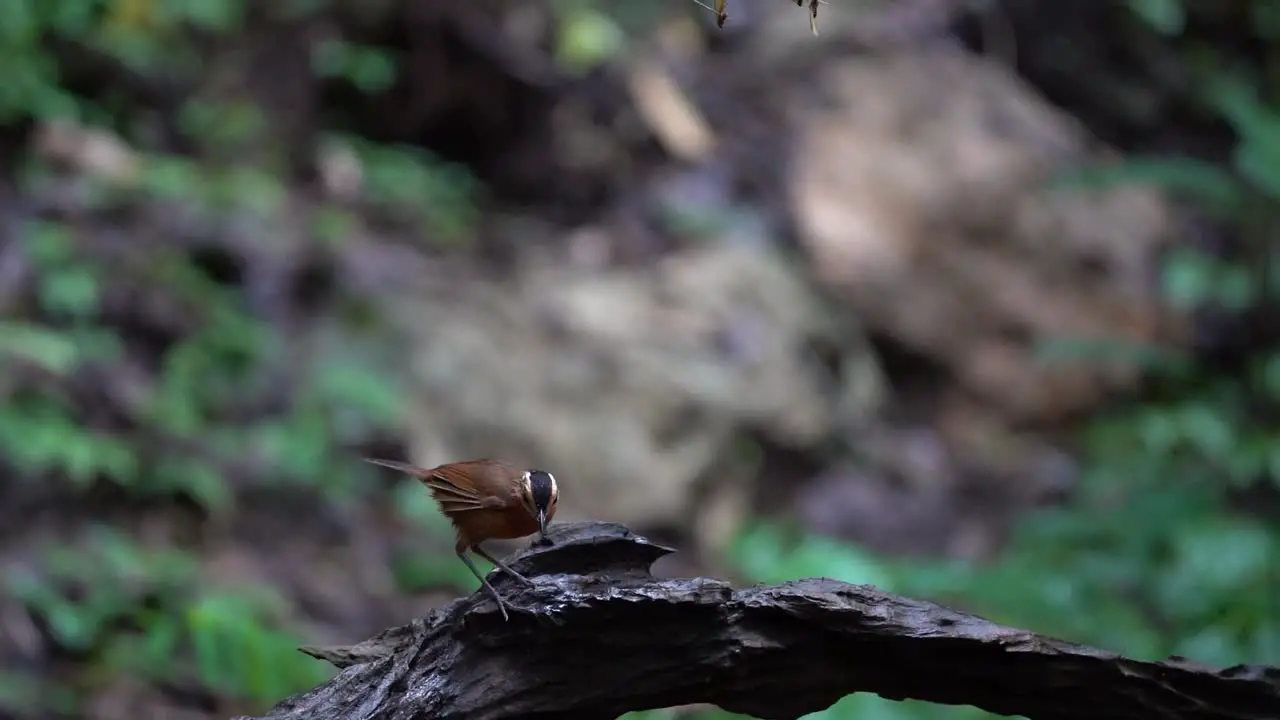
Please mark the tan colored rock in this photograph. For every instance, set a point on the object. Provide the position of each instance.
(921, 194)
(632, 383)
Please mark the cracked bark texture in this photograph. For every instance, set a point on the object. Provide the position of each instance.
(598, 635)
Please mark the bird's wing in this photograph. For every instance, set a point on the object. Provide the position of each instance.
(451, 488)
(449, 484)
(405, 468)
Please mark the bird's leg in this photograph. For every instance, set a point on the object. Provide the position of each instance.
(502, 605)
(500, 565)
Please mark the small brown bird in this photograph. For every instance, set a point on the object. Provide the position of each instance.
(488, 500)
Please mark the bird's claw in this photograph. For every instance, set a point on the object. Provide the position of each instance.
(496, 572)
(505, 605)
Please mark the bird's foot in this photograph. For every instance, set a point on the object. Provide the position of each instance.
(521, 578)
(502, 608)
(496, 572)
(505, 606)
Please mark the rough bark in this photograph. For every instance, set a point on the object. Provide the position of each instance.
(598, 635)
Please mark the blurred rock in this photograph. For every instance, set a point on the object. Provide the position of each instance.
(97, 154)
(919, 189)
(936, 491)
(868, 507)
(634, 382)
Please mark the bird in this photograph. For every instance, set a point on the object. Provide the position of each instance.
(487, 500)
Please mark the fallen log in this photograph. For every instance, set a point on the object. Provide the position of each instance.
(598, 635)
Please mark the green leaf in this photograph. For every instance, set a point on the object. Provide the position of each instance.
(758, 551)
(122, 555)
(586, 38)
(251, 191)
(172, 178)
(332, 226)
(161, 642)
(1257, 155)
(48, 244)
(21, 22)
(70, 291)
(214, 15)
(1167, 17)
(1189, 279)
(78, 463)
(257, 679)
(116, 459)
(205, 643)
(1259, 161)
(74, 627)
(48, 349)
(71, 19)
(1266, 641)
(198, 479)
(371, 70)
(1211, 645)
(346, 385)
(1249, 460)
(1213, 562)
(1271, 375)
(415, 571)
(1209, 429)
(1158, 431)
(1194, 179)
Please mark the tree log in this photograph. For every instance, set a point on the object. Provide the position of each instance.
(597, 635)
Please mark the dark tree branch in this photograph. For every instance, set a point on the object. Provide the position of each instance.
(600, 636)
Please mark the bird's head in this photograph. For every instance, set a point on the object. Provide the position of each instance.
(539, 494)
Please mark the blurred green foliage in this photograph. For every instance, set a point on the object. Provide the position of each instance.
(105, 598)
(196, 434)
(130, 609)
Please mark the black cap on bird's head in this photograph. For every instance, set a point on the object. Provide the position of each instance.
(543, 493)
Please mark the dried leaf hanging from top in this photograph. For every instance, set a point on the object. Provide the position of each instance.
(722, 14)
